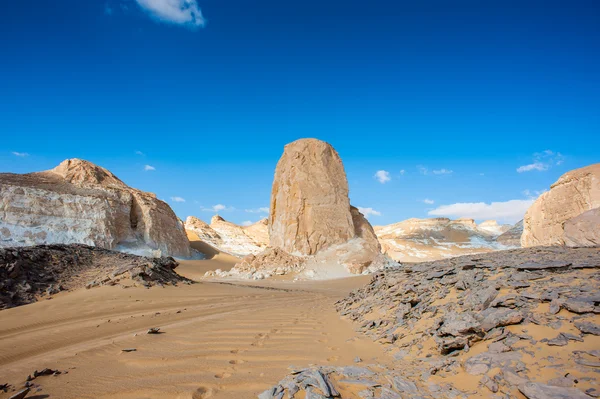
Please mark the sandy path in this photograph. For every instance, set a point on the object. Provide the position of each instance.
(220, 340)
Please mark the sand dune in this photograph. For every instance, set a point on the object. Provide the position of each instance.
(219, 340)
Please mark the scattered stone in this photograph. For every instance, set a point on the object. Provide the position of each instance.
(129, 350)
(588, 328)
(533, 390)
(153, 330)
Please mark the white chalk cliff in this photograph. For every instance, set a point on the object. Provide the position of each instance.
(229, 237)
(79, 202)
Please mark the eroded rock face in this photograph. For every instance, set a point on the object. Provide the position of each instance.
(79, 202)
(229, 237)
(312, 221)
(553, 213)
(310, 208)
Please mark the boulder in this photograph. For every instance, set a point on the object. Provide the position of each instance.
(561, 216)
(79, 202)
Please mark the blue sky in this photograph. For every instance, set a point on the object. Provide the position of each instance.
(449, 98)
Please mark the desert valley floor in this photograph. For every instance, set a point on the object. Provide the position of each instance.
(219, 340)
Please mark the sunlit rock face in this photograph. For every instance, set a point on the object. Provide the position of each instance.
(79, 202)
(313, 229)
(229, 237)
(568, 213)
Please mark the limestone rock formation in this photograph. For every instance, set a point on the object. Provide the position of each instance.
(311, 218)
(229, 237)
(420, 240)
(310, 208)
(79, 202)
(512, 237)
(493, 227)
(559, 216)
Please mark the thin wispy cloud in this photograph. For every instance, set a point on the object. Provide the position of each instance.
(218, 208)
(509, 211)
(428, 201)
(178, 12)
(425, 171)
(247, 223)
(402, 172)
(368, 211)
(177, 199)
(139, 153)
(264, 209)
(382, 176)
(542, 161)
(149, 168)
(20, 154)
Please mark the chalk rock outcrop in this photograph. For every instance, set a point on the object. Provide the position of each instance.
(561, 216)
(421, 240)
(79, 202)
(229, 237)
(311, 218)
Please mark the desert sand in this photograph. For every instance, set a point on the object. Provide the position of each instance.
(221, 340)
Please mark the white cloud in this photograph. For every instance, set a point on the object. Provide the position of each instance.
(429, 201)
(247, 223)
(422, 169)
(264, 209)
(177, 199)
(181, 12)
(149, 167)
(533, 166)
(402, 172)
(139, 153)
(218, 208)
(509, 211)
(382, 176)
(368, 211)
(442, 172)
(20, 154)
(543, 161)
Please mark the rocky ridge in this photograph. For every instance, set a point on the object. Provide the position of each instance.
(79, 202)
(28, 273)
(525, 320)
(419, 240)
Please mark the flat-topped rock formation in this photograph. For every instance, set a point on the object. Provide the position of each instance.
(568, 213)
(229, 237)
(311, 219)
(420, 240)
(79, 202)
